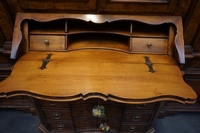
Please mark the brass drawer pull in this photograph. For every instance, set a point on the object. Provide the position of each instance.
(149, 44)
(57, 115)
(52, 103)
(46, 42)
(60, 126)
(132, 128)
(140, 106)
(136, 117)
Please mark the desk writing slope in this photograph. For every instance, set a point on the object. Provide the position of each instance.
(108, 74)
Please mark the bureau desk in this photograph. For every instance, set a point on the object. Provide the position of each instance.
(97, 73)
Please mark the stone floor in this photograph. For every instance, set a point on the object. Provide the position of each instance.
(14, 121)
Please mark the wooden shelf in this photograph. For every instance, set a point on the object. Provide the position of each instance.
(147, 30)
(98, 40)
(56, 27)
(116, 27)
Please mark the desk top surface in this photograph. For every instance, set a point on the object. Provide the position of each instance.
(106, 74)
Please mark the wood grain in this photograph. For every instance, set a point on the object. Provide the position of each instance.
(106, 74)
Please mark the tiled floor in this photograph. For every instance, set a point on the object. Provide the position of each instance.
(13, 121)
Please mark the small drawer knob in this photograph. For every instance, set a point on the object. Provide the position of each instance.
(52, 103)
(140, 106)
(149, 44)
(46, 42)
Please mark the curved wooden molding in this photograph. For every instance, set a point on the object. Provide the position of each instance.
(154, 20)
(98, 95)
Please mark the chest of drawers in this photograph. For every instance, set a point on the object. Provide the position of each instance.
(75, 65)
(77, 116)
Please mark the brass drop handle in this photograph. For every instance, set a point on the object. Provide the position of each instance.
(136, 117)
(149, 44)
(132, 128)
(57, 115)
(46, 42)
(140, 106)
(60, 126)
(52, 103)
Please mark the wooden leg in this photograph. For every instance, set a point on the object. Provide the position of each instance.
(42, 129)
(152, 130)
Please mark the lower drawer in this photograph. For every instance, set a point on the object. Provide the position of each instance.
(52, 104)
(57, 114)
(86, 122)
(136, 117)
(132, 128)
(61, 126)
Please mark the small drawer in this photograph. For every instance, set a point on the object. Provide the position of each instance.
(133, 128)
(52, 104)
(113, 123)
(47, 42)
(57, 114)
(83, 103)
(87, 122)
(148, 106)
(136, 117)
(113, 112)
(61, 127)
(82, 111)
(149, 45)
(111, 103)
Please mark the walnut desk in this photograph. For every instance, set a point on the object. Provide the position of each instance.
(97, 73)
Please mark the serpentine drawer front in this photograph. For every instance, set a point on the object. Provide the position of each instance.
(87, 73)
(77, 115)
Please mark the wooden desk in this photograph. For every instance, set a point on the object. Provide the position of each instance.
(74, 63)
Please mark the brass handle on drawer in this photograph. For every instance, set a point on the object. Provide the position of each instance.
(57, 115)
(46, 42)
(132, 128)
(149, 44)
(60, 126)
(136, 117)
(52, 103)
(140, 106)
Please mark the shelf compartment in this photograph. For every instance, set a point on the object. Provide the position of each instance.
(116, 27)
(152, 31)
(56, 27)
(98, 40)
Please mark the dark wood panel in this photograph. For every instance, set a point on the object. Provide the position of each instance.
(196, 39)
(56, 5)
(192, 23)
(2, 39)
(6, 23)
(120, 6)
